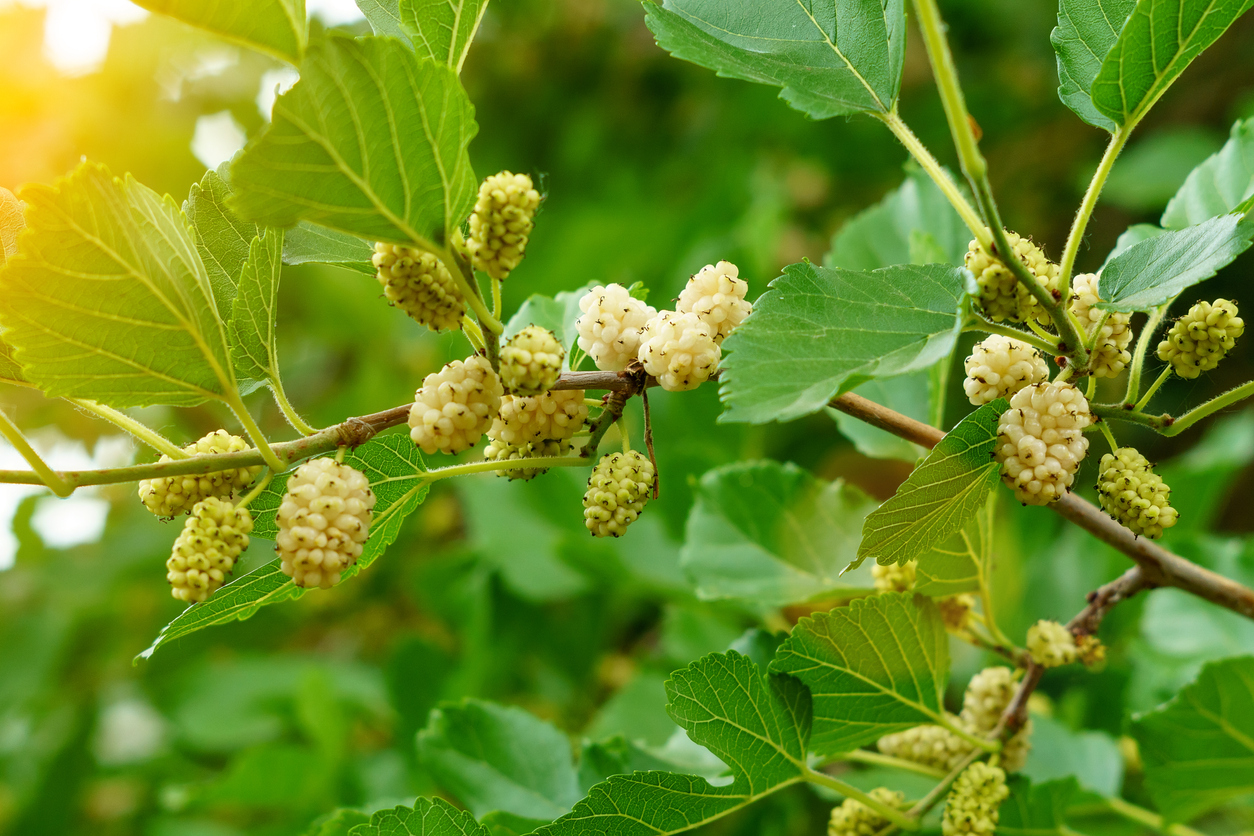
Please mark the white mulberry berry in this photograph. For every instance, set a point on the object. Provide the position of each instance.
(173, 495)
(1040, 441)
(418, 283)
(324, 519)
(205, 552)
(1051, 644)
(1132, 493)
(894, 577)
(988, 694)
(934, 746)
(679, 350)
(617, 492)
(531, 361)
(1110, 350)
(501, 223)
(853, 818)
(717, 295)
(1001, 295)
(498, 451)
(955, 610)
(1200, 339)
(1000, 366)
(553, 416)
(974, 802)
(609, 329)
(455, 406)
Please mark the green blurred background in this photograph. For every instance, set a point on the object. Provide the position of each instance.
(653, 168)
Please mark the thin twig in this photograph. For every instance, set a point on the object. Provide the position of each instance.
(648, 443)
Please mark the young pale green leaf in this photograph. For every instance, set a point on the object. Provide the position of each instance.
(1198, 748)
(10, 371)
(278, 27)
(1217, 186)
(758, 726)
(492, 757)
(943, 493)
(962, 562)
(109, 300)
(1158, 269)
(384, 17)
(396, 472)
(818, 332)
(1160, 39)
(825, 69)
(443, 30)
(253, 347)
(876, 666)
(307, 243)
(770, 534)
(222, 238)
(1036, 809)
(372, 141)
(428, 817)
(1086, 31)
(11, 224)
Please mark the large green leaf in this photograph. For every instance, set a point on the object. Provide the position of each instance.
(1036, 809)
(963, 561)
(397, 476)
(222, 238)
(109, 300)
(428, 817)
(825, 69)
(371, 140)
(384, 16)
(11, 224)
(1218, 185)
(770, 534)
(307, 243)
(758, 726)
(941, 495)
(873, 667)
(443, 30)
(1160, 39)
(1091, 757)
(492, 757)
(278, 27)
(1158, 269)
(1086, 31)
(254, 350)
(1198, 748)
(818, 332)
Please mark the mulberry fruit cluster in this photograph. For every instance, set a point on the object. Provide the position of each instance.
(1000, 366)
(531, 361)
(1132, 493)
(853, 818)
(418, 283)
(1110, 349)
(679, 350)
(934, 746)
(501, 223)
(1200, 339)
(974, 801)
(324, 520)
(717, 295)
(609, 329)
(553, 416)
(205, 552)
(455, 406)
(894, 577)
(501, 451)
(174, 495)
(617, 492)
(1001, 296)
(1040, 441)
(1051, 645)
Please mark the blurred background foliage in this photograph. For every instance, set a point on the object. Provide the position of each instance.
(653, 168)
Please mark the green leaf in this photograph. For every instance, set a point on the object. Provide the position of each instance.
(1218, 185)
(428, 817)
(443, 30)
(253, 348)
(1160, 39)
(384, 17)
(1157, 270)
(824, 69)
(222, 239)
(10, 371)
(1087, 29)
(11, 224)
(1130, 237)
(770, 534)
(757, 725)
(1092, 757)
(397, 476)
(963, 561)
(371, 141)
(278, 27)
(1035, 809)
(493, 757)
(557, 313)
(876, 666)
(1198, 748)
(109, 300)
(943, 493)
(306, 243)
(337, 822)
(818, 332)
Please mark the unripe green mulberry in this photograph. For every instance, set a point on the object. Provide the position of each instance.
(717, 295)
(205, 552)
(1001, 296)
(174, 495)
(894, 577)
(501, 223)
(1000, 366)
(988, 694)
(531, 362)
(974, 801)
(418, 283)
(853, 818)
(498, 451)
(934, 746)
(1132, 493)
(1051, 644)
(1110, 351)
(1040, 441)
(455, 406)
(324, 519)
(617, 492)
(1200, 339)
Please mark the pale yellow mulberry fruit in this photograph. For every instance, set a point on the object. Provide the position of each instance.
(717, 295)
(501, 223)
(1132, 493)
(173, 495)
(894, 577)
(609, 328)
(974, 802)
(324, 522)
(987, 696)
(1051, 644)
(679, 350)
(617, 492)
(1200, 339)
(955, 610)
(1110, 350)
(853, 818)
(419, 284)
(500, 451)
(455, 406)
(205, 552)
(531, 361)
(553, 416)
(1000, 366)
(1040, 441)
(1000, 295)
(934, 746)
